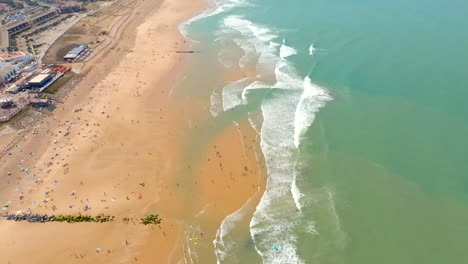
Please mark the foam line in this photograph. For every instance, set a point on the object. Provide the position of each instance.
(312, 99)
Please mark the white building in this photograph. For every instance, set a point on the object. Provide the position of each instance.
(7, 72)
(14, 63)
(16, 58)
(6, 102)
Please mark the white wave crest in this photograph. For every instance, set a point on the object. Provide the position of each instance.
(312, 99)
(254, 38)
(296, 192)
(273, 223)
(268, 61)
(312, 49)
(215, 8)
(232, 93)
(224, 242)
(286, 51)
(287, 113)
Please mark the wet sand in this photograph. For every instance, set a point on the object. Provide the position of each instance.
(116, 146)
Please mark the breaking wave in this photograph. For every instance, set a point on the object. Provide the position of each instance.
(291, 101)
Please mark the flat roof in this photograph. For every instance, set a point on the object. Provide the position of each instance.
(16, 24)
(9, 56)
(4, 39)
(77, 50)
(44, 13)
(70, 56)
(5, 100)
(39, 78)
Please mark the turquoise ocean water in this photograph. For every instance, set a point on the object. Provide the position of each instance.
(361, 107)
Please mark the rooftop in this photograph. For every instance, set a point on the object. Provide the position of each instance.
(39, 78)
(9, 56)
(77, 50)
(6, 69)
(43, 13)
(5, 100)
(4, 39)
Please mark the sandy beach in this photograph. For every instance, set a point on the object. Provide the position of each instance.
(116, 146)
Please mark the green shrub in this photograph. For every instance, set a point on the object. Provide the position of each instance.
(152, 219)
(82, 218)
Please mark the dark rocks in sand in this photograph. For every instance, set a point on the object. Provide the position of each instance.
(38, 218)
(32, 218)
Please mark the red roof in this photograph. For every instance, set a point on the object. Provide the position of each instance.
(5, 7)
(9, 56)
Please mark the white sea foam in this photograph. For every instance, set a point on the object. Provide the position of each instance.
(224, 242)
(250, 52)
(312, 49)
(216, 7)
(285, 117)
(216, 100)
(267, 62)
(312, 99)
(296, 192)
(248, 29)
(254, 38)
(286, 114)
(183, 27)
(256, 120)
(272, 223)
(232, 93)
(254, 86)
(286, 51)
(287, 77)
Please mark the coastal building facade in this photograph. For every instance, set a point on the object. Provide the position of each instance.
(8, 72)
(16, 57)
(17, 27)
(74, 53)
(37, 19)
(11, 64)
